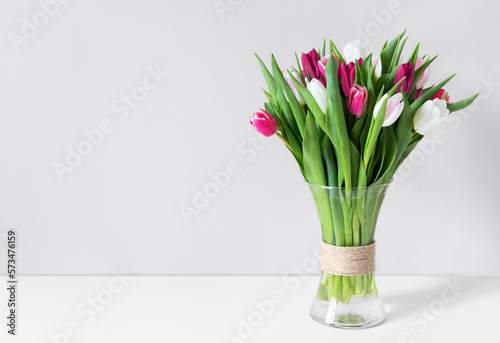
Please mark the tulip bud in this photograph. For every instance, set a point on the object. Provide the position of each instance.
(422, 80)
(393, 108)
(318, 91)
(293, 87)
(357, 100)
(405, 70)
(377, 67)
(353, 51)
(440, 94)
(264, 123)
(430, 116)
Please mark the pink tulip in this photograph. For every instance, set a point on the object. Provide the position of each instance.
(422, 80)
(325, 58)
(321, 67)
(393, 109)
(264, 123)
(322, 63)
(405, 69)
(357, 100)
(440, 94)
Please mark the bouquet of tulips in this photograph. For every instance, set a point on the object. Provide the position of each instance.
(350, 120)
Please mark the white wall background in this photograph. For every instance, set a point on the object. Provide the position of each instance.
(119, 208)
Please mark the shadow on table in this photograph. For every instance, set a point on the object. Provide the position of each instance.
(404, 304)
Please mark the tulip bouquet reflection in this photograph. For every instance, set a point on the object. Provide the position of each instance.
(350, 120)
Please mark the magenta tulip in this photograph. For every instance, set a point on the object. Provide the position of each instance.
(310, 65)
(357, 100)
(264, 123)
(418, 93)
(440, 94)
(347, 73)
(405, 70)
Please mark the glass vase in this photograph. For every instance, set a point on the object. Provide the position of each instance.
(348, 218)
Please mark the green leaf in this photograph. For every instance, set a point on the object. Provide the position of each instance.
(358, 171)
(368, 77)
(428, 94)
(376, 160)
(268, 95)
(299, 70)
(272, 109)
(404, 129)
(415, 140)
(397, 55)
(390, 156)
(335, 121)
(270, 81)
(386, 81)
(356, 131)
(393, 89)
(403, 136)
(366, 66)
(287, 111)
(330, 162)
(292, 100)
(387, 53)
(335, 51)
(375, 126)
(313, 163)
(414, 55)
(359, 78)
(364, 132)
(380, 150)
(462, 104)
(295, 142)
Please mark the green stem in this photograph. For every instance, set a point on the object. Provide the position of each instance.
(338, 287)
(331, 286)
(284, 141)
(324, 278)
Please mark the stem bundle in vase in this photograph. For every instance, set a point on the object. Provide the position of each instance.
(350, 121)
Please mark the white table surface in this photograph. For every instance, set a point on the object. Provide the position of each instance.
(205, 309)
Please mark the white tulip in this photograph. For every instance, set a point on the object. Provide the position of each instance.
(430, 116)
(377, 66)
(353, 50)
(318, 91)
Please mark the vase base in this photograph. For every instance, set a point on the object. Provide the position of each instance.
(360, 313)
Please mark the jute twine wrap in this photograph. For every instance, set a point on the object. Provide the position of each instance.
(347, 260)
